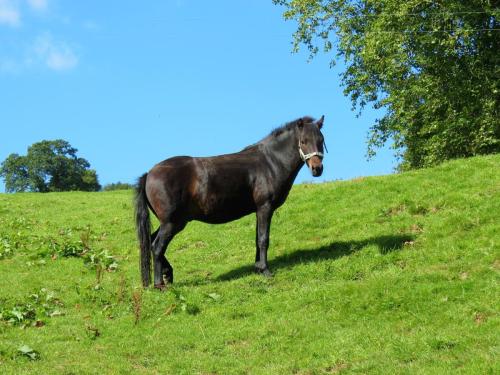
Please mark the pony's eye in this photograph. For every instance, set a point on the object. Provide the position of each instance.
(303, 142)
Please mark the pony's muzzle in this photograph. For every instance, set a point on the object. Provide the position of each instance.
(316, 166)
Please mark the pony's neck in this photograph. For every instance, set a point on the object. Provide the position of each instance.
(283, 149)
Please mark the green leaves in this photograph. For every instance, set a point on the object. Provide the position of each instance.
(14, 171)
(101, 259)
(33, 311)
(26, 351)
(214, 296)
(432, 67)
(183, 304)
(7, 246)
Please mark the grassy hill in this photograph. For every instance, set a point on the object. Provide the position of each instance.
(392, 274)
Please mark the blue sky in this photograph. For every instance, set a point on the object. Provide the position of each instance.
(131, 83)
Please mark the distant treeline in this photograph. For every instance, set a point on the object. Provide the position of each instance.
(48, 166)
(117, 186)
(51, 166)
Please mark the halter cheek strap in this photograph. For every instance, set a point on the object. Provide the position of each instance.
(306, 157)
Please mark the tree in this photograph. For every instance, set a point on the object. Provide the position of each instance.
(48, 166)
(434, 67)
(15, 172)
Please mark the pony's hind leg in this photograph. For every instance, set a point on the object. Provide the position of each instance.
(154, 234)
(162, 267)
(167, 270)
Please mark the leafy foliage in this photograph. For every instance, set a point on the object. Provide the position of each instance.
(48, 166)
(64, 245)
(101, 259)
(433, 66)
(32, 312)
(7, 246)
(26, 351)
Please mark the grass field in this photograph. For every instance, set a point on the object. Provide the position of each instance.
(382, 275)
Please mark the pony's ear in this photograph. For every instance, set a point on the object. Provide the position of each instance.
(300, 123)
(320, 122)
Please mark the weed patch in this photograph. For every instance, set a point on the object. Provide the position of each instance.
(64, 245)
(100, 261)
(28, 352)
(137, 304)
(410, 207)
(8, 246)
(33, 312)
(183, 305)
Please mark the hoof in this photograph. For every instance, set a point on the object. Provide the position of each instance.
(168, 279)
(264, 272)
(168, 276)
(161, 287)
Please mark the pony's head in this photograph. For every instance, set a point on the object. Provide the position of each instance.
(311, 143)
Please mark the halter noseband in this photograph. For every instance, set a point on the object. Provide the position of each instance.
(306, 157)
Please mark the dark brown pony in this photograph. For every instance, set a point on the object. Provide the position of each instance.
(222, 188)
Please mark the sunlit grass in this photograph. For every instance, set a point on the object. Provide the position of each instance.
(393, 274)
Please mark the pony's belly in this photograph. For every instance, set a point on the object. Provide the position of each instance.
(224, 213)
(221, 219)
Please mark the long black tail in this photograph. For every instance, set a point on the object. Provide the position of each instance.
(143, 226)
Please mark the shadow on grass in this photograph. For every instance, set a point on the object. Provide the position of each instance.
(334, 250)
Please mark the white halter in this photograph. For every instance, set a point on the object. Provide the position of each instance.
(306, 157)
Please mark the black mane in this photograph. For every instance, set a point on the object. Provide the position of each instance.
(290, 125)
(282, 129)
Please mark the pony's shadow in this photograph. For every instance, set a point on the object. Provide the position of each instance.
(334, 250)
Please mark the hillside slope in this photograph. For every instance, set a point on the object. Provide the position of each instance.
(391, 274)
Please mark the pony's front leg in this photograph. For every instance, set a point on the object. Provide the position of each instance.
(264, 215)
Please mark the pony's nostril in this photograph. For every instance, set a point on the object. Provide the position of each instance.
(317, 170)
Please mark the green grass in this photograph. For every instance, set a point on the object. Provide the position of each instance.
(392, 274)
